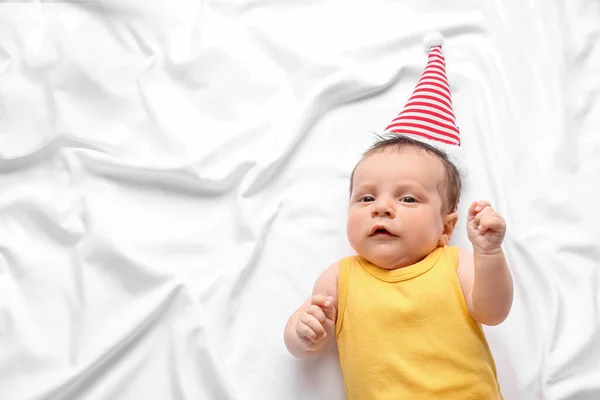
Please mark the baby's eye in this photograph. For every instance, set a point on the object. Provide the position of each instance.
(366, 199)
(408, 200)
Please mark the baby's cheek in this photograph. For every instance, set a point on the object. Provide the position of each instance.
(352, 230)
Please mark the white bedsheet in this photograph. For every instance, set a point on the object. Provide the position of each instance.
(174, 176)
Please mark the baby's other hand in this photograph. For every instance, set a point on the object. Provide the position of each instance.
(317, 323)
(485, 227)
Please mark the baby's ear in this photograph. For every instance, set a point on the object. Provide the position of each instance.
(450, 221)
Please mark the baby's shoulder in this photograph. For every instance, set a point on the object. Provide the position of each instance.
(327, 281)
(452, 252)
(347, 260)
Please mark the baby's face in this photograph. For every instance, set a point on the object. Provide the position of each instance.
(395, 213)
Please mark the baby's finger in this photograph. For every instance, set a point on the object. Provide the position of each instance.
(316, 312)
(492, 222)
(477, 219)
(481, 204)
(482, 213)
(304, 331)
(330, 310)
(311, 328)
(472, 212)
(319, 300)
(478, 206)
(327, 305)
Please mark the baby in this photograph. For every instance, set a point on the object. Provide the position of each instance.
(407, 310)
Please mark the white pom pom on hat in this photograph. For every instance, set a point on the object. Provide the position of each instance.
(433, 39)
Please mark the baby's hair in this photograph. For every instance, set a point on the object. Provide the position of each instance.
(452, 183)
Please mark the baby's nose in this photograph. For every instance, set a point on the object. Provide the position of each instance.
(383, 209)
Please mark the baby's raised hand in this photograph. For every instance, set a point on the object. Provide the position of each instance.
(485, 227)
(317, 322)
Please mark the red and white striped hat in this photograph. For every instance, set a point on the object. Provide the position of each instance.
(428, 114)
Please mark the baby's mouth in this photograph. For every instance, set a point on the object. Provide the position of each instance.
(381, 231)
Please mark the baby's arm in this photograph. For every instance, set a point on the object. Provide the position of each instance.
(484, 274)
(309, 328)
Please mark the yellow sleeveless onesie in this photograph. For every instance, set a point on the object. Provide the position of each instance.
(407, 333)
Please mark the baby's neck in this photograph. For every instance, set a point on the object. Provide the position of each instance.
(398, 264)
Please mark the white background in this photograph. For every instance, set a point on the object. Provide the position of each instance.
(174, 176)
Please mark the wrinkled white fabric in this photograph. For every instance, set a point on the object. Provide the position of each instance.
(174, 177)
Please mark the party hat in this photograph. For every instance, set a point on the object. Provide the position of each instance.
(428, 114)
